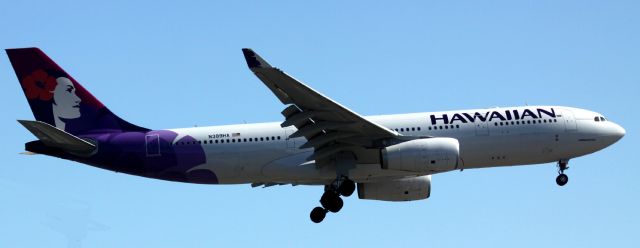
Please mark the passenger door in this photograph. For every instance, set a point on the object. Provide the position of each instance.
(569, 121)
(152, 145)
(482, 129)
(291, 143)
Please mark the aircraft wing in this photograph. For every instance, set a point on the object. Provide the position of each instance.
(328, 126)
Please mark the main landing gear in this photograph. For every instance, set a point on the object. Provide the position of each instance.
(330, 200)
(562, 178)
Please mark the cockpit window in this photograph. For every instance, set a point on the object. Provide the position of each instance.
(597, 118)
(602, 118)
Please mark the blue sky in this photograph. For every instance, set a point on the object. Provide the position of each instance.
(168, 64)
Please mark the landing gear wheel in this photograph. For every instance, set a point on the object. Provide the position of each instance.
(562, 179)
(347, 187)
(318, 214)
(331, 201)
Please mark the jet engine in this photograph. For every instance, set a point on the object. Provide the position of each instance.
(406, 189)
(428, 155)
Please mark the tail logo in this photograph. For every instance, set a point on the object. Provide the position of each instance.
(65, 105)
(39, 85)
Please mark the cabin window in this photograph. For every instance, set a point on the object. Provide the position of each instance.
(418, 128)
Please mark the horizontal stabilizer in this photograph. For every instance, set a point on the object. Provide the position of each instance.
(54, 137)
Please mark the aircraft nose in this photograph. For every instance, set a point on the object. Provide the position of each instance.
(617, 131)
(620, 132)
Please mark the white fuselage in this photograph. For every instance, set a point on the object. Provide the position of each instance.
(262, 153)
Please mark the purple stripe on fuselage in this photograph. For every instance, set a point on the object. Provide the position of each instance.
(127, 152)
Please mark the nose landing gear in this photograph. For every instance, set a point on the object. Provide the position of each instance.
(562, 178)
(330, 200)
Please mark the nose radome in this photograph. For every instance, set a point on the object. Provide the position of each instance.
(618, 131)
(621, 131)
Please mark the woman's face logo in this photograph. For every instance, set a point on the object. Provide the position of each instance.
(66, 104)
(65, 99)
(59, 91)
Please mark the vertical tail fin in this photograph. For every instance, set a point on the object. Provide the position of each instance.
(58, 99)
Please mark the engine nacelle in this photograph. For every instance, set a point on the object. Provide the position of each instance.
(406, 189)
(422, 155)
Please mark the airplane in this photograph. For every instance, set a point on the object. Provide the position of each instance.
(320, 142)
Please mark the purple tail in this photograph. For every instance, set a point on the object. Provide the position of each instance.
(58, 99)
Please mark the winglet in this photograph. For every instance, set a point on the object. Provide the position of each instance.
(254, 60)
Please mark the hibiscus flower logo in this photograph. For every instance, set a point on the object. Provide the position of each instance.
(39, 85)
